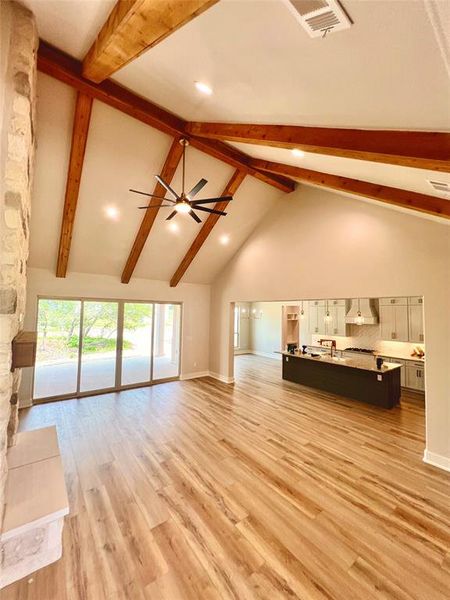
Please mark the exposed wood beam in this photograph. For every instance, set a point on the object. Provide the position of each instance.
(55, 63)
(230, 189)
(420, 149)
(167, 173)
(80, 131)
(133, 27)
(383, 193)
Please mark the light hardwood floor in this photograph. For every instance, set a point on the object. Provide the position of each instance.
(258, 490)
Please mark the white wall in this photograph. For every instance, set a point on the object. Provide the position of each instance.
(319, 244)
(195, 315)
(266, 329)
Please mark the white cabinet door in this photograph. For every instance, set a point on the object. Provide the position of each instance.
(322, 326)
(337, 325)
(313, 318)
(415, 323)
(415, 376)
(394, 322)
(401, 324)
(387, 322)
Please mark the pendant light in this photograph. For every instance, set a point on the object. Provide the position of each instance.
(359, 320)
(302, 312)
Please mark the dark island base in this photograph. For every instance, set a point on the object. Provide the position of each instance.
(350, 382)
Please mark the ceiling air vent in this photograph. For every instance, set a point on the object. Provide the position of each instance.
(319, 17)
(440, 186)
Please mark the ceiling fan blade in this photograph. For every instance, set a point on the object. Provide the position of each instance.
(211, 200)
(195, 190)
(211, 210)
(157, 206)
(152, 195)
(194, 216)
(167, 187)
(171, 216)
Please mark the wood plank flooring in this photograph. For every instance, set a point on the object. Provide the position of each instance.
(258, 490)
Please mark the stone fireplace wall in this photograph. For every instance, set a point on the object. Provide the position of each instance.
(19, 42)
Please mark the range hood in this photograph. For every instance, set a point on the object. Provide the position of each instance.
(367, 309)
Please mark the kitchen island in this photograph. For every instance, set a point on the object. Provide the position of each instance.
(357, 378)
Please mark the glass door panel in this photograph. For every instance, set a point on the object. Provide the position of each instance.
(99, 345)
(137, 343)
(166, 341)
(56, 370)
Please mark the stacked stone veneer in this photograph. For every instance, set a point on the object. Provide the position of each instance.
(16, 163)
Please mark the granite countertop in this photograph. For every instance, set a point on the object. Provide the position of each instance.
(376, 353)
(366, 363)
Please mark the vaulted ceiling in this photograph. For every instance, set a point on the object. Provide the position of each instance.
(388, 71)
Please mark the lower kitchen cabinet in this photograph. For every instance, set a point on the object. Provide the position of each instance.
(397, 361)
(415, 376)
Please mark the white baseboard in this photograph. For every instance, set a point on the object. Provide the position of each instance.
(195, 375)
(437, 460)
(238, 352)
(221, 377)
(266, 354)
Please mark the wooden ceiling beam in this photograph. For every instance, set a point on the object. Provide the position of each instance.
(412, 200)
(133, 27)
(82, 117)
(419, 149)
(230, 189)
(167, 173)
(59, 65)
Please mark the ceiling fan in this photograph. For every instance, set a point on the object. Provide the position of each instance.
(185, 203)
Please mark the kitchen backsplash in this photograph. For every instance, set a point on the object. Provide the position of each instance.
(366, 336)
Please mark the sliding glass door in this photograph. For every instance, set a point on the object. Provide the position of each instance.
(166, 346)
(98, 345)
(137, 343)
(57, 353)
(87, 346)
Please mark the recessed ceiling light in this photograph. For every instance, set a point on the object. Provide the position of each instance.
(112, 213)
(203, 88)
(297, 152)
(224, 239)
(173, 227)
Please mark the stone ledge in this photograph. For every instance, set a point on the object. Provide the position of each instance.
(36, 503)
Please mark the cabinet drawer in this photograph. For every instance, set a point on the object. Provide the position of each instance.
(415, 363)
(393, 301)
(414, 300)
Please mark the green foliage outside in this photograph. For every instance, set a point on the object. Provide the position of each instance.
(59, 323)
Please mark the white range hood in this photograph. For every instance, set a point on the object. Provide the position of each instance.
(368, 313)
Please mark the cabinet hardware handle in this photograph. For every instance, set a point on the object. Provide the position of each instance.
(392, 301)
(420, 301)
(421, 337)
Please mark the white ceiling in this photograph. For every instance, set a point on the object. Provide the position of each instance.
(386, 71)
(122, 153)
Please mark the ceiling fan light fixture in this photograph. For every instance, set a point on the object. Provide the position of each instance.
(183, 207)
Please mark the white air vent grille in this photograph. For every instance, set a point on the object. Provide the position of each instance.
(440, 186)
(319, 17)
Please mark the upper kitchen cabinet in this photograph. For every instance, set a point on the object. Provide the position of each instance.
(415, 316)
(394, 319)
(335, 325)
(402, 319)
(316, 312)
